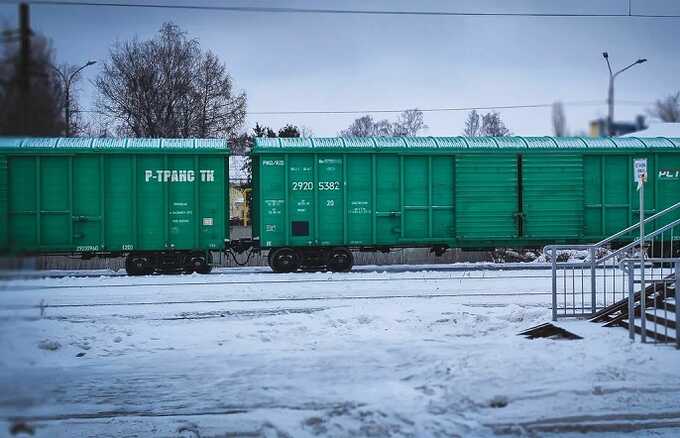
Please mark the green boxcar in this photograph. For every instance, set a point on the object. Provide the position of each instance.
(162, 203)
(317, 199)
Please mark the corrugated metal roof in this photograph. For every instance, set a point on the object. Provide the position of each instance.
(359, 142)
(389, 142)
(112, 143)
(451, 142)
(657, 142)
(328, 142)
(511, 142)
(598, 143)
(439, 143)
(481, 142)
(628, 142)
(569, 142)
(540, 142)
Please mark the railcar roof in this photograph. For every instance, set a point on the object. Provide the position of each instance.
(136, 144)
(478, 143)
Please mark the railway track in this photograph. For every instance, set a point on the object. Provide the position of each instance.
(462, 267)
(271, 300)
(272, 282)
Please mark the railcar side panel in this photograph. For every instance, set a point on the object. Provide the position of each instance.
(330, 199)
(3, 203)
(552, 196)
(23, 201)
(443, 197)
(87, 208)
(486, 196)
(113, 200)
(416, 202)
(360, 204)
(387, 204)
(273, 194)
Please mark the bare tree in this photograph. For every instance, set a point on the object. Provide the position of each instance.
(667, 109)
(409, 124)
(472, 125)
(489, 124)
(38, 113)
(168, 87)
(361, 127)
(559, 120)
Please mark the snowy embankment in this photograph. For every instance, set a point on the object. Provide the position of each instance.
(367, 353)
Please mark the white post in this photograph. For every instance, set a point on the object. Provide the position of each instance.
(640, 172)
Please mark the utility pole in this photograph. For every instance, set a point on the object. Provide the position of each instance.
(610, 95)
(24, 64)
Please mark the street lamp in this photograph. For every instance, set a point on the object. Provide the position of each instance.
(610, 98)
(67, 92)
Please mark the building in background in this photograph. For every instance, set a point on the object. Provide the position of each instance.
(239, 189)
(598, 128)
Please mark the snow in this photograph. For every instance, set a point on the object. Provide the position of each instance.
(368, 353)
(658, 130)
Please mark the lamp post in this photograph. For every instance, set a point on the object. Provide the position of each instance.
(67, 92)
(610, 97)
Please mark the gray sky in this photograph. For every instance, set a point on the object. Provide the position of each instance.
(291, 62)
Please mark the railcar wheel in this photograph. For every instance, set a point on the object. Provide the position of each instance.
(138, 265)
(198, 262)
(340, 260)
(284, 260)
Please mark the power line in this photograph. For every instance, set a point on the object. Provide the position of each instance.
(453, 109)
(285, 10)
(429, 110)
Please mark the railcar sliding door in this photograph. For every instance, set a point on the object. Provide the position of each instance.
(486, 196)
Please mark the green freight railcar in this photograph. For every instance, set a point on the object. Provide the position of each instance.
(317, 199)
(163, 204)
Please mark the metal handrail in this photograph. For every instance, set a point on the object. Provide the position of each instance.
(637, 225)
(601, 243)
(638, 241)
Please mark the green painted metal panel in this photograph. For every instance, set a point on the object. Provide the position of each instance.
(330, 199)
(387, 203)
(486, 196)
(667, 180)
(151, 216)
(593, 196)
(416, 203)
(272, 202)
(552, 196)
(54, 214)
(183, 206)
(359, 199)
(213, 199)
(87, 211)
(118, 203)
(301, 200)
(453, 190)
(4, 204)
(443, 197)
(23, 198)
(63, 200)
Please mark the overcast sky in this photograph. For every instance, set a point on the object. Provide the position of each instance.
(289, 62)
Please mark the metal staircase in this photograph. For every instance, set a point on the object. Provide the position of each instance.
(633, 286)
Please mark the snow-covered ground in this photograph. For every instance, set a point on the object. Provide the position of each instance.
(369, 353)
